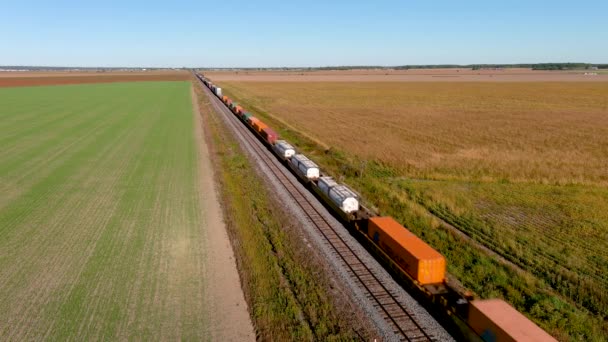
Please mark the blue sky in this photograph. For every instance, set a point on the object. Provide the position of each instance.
(300, 33)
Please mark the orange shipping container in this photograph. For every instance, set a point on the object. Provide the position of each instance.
(418, 259)
(259, 126)
(238, 109)
(225, 98)
(252, 121)
(495, 320)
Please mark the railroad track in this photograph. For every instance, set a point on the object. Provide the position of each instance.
(393, 311)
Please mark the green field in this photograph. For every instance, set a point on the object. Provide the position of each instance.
(100, 221)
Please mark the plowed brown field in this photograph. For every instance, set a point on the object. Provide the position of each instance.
(414, 75)
(24, 79)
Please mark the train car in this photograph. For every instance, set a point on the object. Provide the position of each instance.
(283, 150)
(419, 260)
(245, 117)
(218, 92)
(410, 259)
(239, 113)
(340, 198)
(496, 321)
(304, 168)
(251, 121)
(269, 135)
(259, 126)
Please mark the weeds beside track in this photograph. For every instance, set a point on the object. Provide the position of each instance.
(391, 309)
(287, 293)
(565, 295)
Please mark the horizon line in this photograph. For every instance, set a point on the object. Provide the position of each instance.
(447, 65)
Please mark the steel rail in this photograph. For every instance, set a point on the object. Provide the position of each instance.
(390, 308)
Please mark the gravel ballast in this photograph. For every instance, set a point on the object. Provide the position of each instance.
(335, 266)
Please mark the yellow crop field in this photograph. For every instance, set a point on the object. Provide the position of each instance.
(519, 167)
(542, 132)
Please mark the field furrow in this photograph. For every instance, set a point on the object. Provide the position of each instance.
(102, 233)
(520, 168)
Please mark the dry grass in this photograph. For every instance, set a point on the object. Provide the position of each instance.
(286, 286)
(412, 75)
(541, 132)
(519, 167)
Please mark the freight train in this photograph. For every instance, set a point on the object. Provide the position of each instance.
(413, 262)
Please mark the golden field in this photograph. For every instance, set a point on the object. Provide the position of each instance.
(543, 132)
(520, 167)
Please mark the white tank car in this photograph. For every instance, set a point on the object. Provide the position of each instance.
(326, 183)
(305, 167)
(340, 195)
(284, 149)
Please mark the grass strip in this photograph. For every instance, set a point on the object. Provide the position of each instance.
(286, 290)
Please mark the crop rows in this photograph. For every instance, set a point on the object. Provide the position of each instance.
(515, 166)
(100, 220)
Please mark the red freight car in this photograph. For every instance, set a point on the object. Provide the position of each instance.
(270, 135)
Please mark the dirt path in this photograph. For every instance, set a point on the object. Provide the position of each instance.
(229, 319)
(14, 79)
